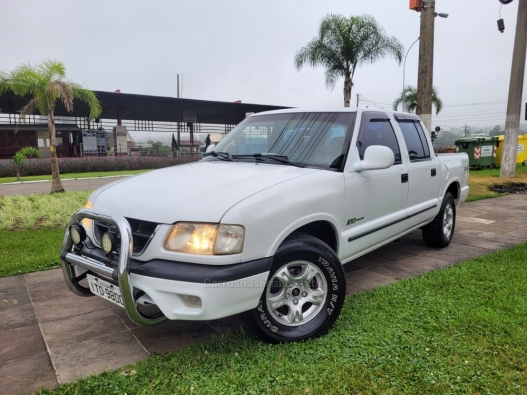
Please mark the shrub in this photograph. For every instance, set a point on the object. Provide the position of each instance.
(39, 167)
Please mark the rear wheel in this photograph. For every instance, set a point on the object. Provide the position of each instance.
(440, 231)
(304, 294)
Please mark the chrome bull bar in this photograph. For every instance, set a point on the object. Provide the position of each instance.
(121, 274)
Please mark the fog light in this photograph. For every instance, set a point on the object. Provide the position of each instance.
(78, 234)
(191, 301)
(108, 242)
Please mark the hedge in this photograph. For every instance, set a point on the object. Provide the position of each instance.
(38, 167)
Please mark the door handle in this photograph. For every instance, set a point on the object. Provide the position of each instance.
(433, 172)
(404, 178)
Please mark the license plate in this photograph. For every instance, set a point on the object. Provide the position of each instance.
(105, 290)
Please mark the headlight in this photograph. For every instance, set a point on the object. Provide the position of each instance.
(205, 239)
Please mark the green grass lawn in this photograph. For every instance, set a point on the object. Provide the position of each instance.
(461, 330)
(40, 211)
(29, 251)
(480, 181)
(4, 180)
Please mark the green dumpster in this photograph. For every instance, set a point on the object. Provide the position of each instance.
(480, 150)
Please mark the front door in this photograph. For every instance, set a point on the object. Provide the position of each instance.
(375, 199)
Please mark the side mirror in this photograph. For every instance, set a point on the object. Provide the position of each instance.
(376, 157)
(210, 148)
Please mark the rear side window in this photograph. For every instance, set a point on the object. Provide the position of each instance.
(376, 129)
(415, 139)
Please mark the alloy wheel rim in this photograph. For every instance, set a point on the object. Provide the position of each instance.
(296, 293)
(448, 220)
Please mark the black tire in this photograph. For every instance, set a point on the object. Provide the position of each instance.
(299, 255)
(439, 233)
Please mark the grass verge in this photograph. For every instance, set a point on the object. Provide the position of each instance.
(43, 211)
(29, 251)
(480, 181)
(68, 176)
(459, 330)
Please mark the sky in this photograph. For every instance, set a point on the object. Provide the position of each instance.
(230, 50)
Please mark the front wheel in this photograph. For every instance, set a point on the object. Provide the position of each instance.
(304, 293)
(440, 231)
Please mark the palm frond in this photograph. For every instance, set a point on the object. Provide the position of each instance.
(29, 108)
(88, 97)
(60, 90)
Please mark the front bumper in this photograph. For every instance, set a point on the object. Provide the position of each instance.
(223, 289)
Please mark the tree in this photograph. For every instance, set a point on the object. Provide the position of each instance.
(409, 95)
(496, 131)
(21, 157)
(46, 85)
(343, 44)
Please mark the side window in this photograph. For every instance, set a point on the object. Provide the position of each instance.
(415, 140)
(378, 131)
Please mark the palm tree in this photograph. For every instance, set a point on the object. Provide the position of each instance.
(410, 99)
(45, 84)
(343, 44)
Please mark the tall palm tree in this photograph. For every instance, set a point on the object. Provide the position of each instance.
(409, 94)
(45, 84)
(343, 44)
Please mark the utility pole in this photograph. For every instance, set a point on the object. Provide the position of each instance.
(357, 100)
(426, 63)
(178, 124)
(512, 122)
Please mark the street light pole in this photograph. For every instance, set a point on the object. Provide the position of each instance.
(404, 68)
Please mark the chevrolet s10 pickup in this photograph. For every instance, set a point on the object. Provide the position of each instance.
(264, 222)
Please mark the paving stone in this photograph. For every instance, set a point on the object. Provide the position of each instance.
(367, 279)
(425, 263)
(483, 243)
(351, 267)
(94, 356)
(12, 281)
(17, 317)
(12, 297)
(399, 270)
(227, 324)
(28, 374)
(21, 342)
(172, 335)
(48, 276)
(67, 306)
(80, 328)
(121, 314)
(48, 291)
(367, 261)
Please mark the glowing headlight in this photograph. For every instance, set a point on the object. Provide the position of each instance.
(205, 239)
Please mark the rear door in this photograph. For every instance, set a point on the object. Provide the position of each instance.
(375, 199)
(423, 170)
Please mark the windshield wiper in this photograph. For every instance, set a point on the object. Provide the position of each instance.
(279, 158)
(222, 155)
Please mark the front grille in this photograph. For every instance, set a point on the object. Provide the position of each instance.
(142, 232)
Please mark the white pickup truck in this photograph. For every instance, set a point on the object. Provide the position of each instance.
(263, 224)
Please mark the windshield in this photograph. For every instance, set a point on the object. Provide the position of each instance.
(317, 139)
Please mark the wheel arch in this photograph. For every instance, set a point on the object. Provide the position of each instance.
(455, 189)
(322, 230)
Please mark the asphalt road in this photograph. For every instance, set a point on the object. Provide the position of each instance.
(28, 188)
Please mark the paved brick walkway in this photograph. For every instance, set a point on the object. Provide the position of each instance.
(50, 336)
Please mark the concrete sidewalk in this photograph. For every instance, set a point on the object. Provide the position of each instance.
(50, 336)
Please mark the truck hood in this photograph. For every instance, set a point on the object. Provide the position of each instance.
(201, 191)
